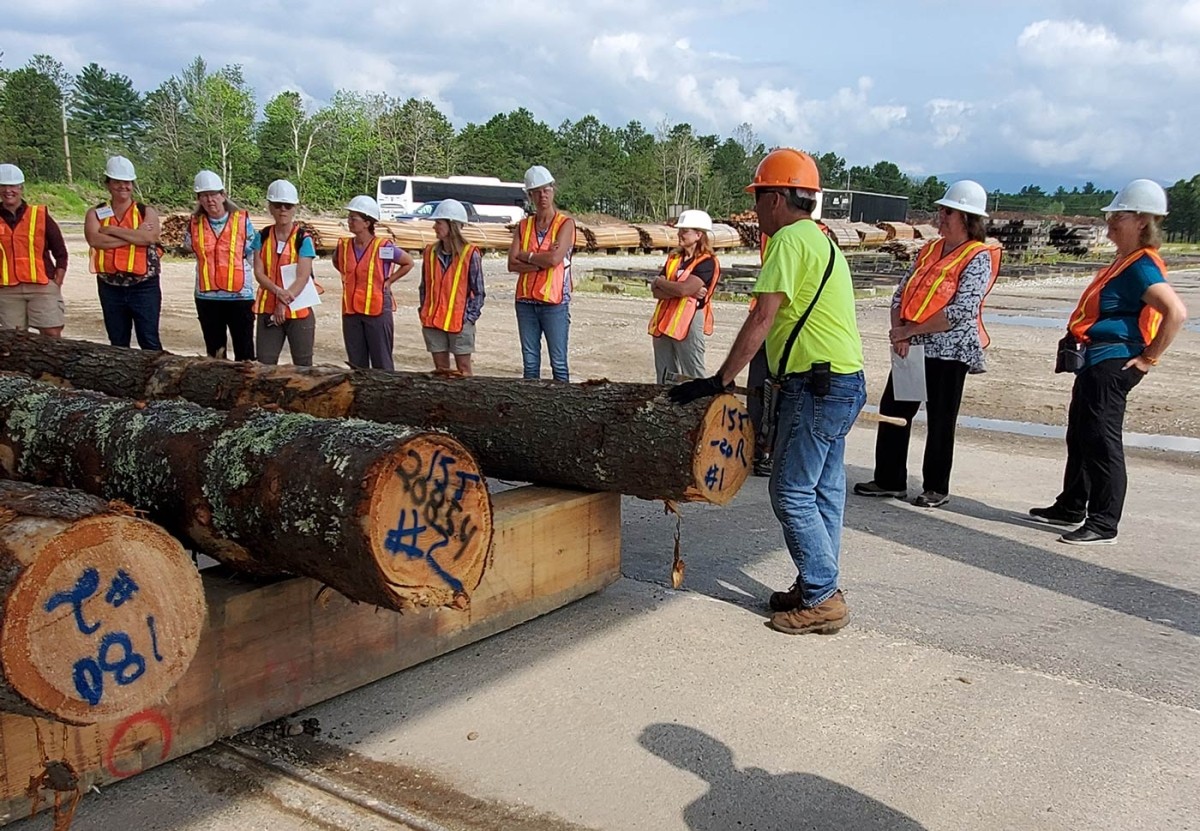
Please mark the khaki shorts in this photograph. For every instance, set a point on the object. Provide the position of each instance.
(28, 305)
(462, 343)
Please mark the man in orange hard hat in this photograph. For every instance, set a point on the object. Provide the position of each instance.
(805, 313)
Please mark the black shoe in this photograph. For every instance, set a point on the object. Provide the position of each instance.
(931, 499)
(763, 465)
(1055, 515)
(1086, 536)
(786, 601)
(871, 489)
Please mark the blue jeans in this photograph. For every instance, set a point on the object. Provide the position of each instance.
(555, 321)
(137, 307)
(808, 482)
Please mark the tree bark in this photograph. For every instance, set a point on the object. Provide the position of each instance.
(598, 435)
(386, 514)
(100, 612)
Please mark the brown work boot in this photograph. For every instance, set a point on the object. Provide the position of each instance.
(786, 601)
(824, 619)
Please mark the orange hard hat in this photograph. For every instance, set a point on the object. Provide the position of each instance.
(786, 168)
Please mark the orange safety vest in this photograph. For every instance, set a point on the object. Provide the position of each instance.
(23, 249)
(128, 259)
(1088, 310)
(220, 258)
(673, 317)
(935, 280)
(362, 277)
(446, 289)
(273, 263)
(545, 286)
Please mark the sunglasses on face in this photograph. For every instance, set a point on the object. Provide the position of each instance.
(281, 206)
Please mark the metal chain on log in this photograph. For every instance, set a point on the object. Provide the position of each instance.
(599, 435)
(386, 514)
(100, 612)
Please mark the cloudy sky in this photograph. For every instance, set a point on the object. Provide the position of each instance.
(1052, 91)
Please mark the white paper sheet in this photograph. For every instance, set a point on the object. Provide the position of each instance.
(908, 374)
(307, 298)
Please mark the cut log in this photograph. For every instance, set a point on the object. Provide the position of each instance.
(391, 515)
(100, 612)
(600, 435)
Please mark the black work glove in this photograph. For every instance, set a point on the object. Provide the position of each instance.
(689, 391)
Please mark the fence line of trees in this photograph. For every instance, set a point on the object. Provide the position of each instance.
(59, 127)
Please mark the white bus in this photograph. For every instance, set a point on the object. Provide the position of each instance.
(403, 195)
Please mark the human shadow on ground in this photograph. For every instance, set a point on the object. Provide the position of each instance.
(756, 800)
(741, 534)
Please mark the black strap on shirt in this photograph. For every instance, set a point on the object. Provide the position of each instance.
(787, 348)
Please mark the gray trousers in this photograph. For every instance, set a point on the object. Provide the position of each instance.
(681, 357)
(300, 335)
(369, 339)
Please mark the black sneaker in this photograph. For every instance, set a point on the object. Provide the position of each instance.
(871, 489)
(1055, 515)
(1086, 536)
(762, 466)
(931, 499)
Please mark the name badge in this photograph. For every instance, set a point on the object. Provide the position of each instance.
(387, 253)
(280, 245)
(104, 212)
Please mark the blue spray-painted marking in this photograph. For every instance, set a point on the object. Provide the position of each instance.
(89, 680)
(122, 589)
(85, 587)
(127, 667)
(153, 638)
(395, 543)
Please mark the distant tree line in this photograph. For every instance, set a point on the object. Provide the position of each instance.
(60, 127)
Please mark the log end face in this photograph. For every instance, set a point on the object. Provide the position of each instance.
(724, 451)
(104, 622)
(430, 523)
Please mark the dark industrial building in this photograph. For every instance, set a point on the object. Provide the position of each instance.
(860, 206)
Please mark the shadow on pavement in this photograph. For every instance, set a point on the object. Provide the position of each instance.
(753, 799)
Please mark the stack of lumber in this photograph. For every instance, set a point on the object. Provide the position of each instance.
(606, 237)
(869, 235)
(902, 249)
(747, 229)
(898, 230)
(1020, 235)
(843, 233)
(926, 232)
(660, 237)
(1078, 239)
(490, 236)
(723, 236)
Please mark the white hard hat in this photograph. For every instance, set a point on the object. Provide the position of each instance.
(283, 191)
(699, 220)
(966, 196)
(537, 177)
(119, 168)
(10, 174)
(450, 209)
(1142, 196)
(364, 205)
(207, 181)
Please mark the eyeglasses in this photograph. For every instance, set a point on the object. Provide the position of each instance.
(281, 206)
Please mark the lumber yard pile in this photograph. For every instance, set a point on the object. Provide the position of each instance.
(414, 235)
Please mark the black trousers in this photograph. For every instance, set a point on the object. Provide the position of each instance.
(233, 316)
(1095, 481)
(943, 388)
(756, 378)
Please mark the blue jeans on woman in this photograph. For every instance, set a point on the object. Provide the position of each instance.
(534, 319)
(137, 306)
(808, 483)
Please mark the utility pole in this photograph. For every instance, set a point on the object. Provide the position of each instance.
(66, 142)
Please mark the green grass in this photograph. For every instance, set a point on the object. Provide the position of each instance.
(65, 201)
